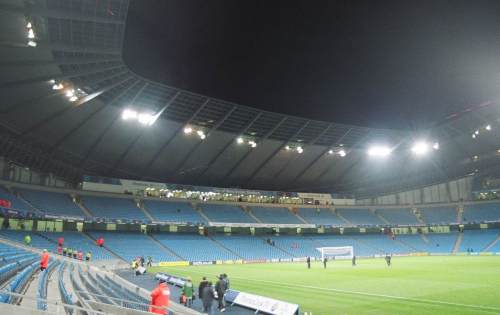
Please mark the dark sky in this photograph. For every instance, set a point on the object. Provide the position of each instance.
(394, 64)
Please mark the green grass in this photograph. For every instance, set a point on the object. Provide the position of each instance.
(413, 285)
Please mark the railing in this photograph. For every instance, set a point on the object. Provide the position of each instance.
(42, 286)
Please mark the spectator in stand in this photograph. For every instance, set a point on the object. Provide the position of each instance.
(150, 261)
(207, 296)
(88, 256)
(160, 297)
(187, 290)
(60, 241)
(70, 252)
(75, 253)
(201, 286)
(79, 255)
(65, 251)
(59, 250)
(220, 288)
(44, 261)
(27, 240)
(100, 241)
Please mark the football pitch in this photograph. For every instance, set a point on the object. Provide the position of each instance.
(412, 285)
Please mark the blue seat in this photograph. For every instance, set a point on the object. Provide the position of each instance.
(277, 215)
(226, 213)
(173, 211)
(52, 202)
(113, 208)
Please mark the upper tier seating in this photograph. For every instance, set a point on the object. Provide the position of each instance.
(51, 202)
(360, 216)
(16, 203)
(113, 208)
(481, 212)
(398, 216)
(250, 247)
(173, 211)
(439, 215)
(132, 245)
(320, 216)
(36, 240)
(275, 215)
(477, 240)
(226, 213)
(194, 247)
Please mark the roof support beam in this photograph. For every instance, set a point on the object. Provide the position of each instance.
(270, 132)
(216, 157)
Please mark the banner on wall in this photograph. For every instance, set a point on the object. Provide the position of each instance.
(262, 304)
(173, 263)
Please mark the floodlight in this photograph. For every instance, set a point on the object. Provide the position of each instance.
(488, 127)
(252, 143)
(473, 136)
(330, 152)
(342, 153)
(435, 146)
(73, 99)
(145, 118)
(240, 140)
(31, 34)
(29, 25)
(58, 86)
(300, 150)
(420, 148)
(128, 114)
(188, 130)
(287, 148)
(202, 136)
(52, 81)
(476, 132)
(70, 93)
(381, 151)
(32, 43)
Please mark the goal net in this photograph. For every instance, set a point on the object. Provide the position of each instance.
(344, 252)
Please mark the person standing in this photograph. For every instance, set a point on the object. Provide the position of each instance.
(187, 290)
(60, 241)
(27, 240)
(353, 260)
(150, 261)
(88, 256)
(201, 286)
(220, 288)
(160, 297)
(44, 261)
(308, 262)
(324, 262)
(59, 250)
(388, 260)
(207, 296)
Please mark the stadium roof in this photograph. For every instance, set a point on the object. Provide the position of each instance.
(79, 45)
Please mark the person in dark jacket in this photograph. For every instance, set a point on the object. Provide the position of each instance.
(201, 286)
(308, 262)
(207, 297)
(220, 288)
(226, 279)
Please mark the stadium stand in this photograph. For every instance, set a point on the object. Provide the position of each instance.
(36, 240)
(51, 202)
(251, 248)
(226, 213)
(275, 215)
(194, 247)
(16, 203)
(113, 208)
(360, 216)
(132, 245)
(383, 243)
(401, 216)
(477, 240)
(481, 212)
(439, 215)
(360, 249)
(320, 216)
(172, 211)
(79, 241)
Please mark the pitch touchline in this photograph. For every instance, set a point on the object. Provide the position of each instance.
(481, 307)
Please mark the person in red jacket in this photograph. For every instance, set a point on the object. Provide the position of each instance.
(100, 242)
(60, 241)
(59, 250)
(44, 262)
(160, 297)
(79, 255)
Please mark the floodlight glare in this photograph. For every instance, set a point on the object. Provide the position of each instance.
(476, 132)
(342, 153)
(202, 136)
(29, 25)
(380, 151)
(31, 34)
(240, 140)
(128, 114)
(473, 136)
(188, 130)
(300, 150)
(287, 148)
(420, 148)
(488, 127)
(70, 93)
(32, 43)
(252, 143)
(145, 118)
(435, 146)
(58, 86)
(73, 99)
(330, 152)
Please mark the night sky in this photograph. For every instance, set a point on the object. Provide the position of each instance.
(390, 64)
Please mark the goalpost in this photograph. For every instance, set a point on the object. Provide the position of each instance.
(343, 252)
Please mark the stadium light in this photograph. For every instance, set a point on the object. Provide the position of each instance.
(201, 134)
(73, 98)
(145, 119)
(240, 140)
(287, 148)
(31, 34)
(330, 152)
(420, 148)
(58, 86)
(300, 150)
(379, 151)
(252, 143)
(29, 25)
(342, 153)
(129, 114)
(32, 43)
(473, 136)
(435, 146)
(70, 93)
(188, 130)
(488, 127)
(476, 132)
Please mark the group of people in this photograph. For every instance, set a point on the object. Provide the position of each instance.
(207, 292)
(325, 261)
(65, 251)
(138, 264)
